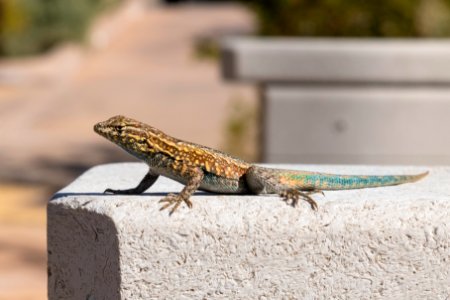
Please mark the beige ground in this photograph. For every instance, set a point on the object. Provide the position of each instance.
(147, 70)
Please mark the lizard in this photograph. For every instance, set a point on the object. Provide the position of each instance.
(200, 167)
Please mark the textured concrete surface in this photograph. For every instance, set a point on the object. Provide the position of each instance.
(337, 60)
(390, 243)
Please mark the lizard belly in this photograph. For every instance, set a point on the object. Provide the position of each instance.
(218, 184)
(210, 182)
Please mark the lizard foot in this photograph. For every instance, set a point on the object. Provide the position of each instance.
(174, 201)
(291, 196)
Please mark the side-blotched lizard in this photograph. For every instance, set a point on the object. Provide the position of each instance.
(200, 167)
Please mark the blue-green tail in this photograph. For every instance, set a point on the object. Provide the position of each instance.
(322, 181)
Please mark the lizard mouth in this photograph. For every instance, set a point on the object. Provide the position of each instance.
(101, 129)
(97, 128)
(107, 131)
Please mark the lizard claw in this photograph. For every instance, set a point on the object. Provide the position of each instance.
(174, 201)
(293, 196)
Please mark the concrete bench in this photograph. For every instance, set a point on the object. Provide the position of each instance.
(390, 243)
(348, 100)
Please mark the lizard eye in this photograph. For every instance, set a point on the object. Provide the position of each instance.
(118, 128)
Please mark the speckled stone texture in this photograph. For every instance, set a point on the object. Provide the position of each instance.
(382, 243)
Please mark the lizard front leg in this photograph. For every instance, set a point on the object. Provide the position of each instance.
(195, 177)
(146, 182)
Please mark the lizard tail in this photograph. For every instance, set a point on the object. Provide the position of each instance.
(320, 181)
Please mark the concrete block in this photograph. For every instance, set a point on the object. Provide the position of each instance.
(383, 243)
(368, 125)
(400, 61)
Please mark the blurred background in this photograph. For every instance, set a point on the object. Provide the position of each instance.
(67, 64)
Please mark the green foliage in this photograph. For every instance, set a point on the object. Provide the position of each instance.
(206, 48)
(357, 18)
(31, 26)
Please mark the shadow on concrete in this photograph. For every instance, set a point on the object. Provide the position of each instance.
(62, 195)
(83, 255)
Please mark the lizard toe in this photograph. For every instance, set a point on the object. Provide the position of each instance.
(174, 201)
(292, 196)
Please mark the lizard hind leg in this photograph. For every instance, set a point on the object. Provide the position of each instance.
(292, 196)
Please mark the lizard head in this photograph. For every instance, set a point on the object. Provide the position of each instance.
(133, 136)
